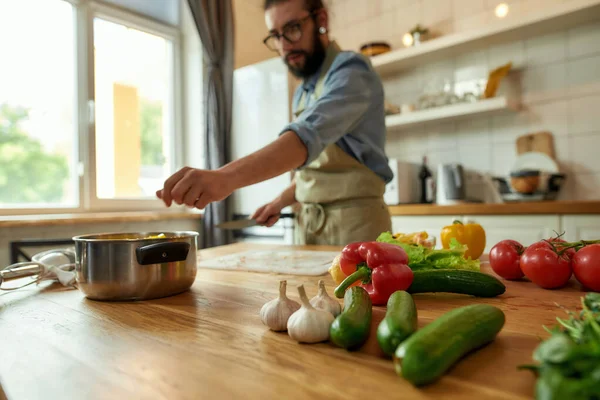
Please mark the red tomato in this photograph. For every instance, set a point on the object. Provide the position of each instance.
(557, 241)
(586, 266)
(505, 257)
(545, 268)
(557, 244)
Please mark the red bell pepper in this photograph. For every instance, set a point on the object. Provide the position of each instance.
(382, 267)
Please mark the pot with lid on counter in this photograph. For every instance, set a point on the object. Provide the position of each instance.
(120, 266)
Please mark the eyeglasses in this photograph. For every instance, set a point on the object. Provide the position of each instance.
(291, 32)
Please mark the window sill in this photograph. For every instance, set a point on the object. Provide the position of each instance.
(87, 218)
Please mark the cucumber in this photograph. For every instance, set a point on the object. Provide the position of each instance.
(400, 321)
(351, 328)
(428, 353)
(456, 281)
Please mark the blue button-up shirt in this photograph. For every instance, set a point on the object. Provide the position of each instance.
(350, 112)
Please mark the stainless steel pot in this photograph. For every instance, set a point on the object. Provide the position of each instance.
(135, 266)
(121, 266)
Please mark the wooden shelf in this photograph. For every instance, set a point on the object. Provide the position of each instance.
(493, 106)
(521, 208)
(546, 20)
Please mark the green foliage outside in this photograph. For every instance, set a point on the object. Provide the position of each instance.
(28, 173)
(151, 132)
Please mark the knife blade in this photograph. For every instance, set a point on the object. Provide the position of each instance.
(246, 223)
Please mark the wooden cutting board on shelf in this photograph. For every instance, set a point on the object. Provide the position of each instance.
(541, 142)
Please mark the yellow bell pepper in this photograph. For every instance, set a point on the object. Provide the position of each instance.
(470, 234)
(336, 272)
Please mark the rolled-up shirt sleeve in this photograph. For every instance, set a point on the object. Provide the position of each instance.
(344, 102)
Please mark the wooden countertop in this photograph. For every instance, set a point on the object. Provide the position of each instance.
(9, 221)
(538, 207)
(546, 207)
(209, 343)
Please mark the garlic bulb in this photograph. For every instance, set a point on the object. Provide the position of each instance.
(309, 324)
(276, 312)
(324, 302)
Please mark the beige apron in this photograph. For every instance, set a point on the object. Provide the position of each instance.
(341, 199)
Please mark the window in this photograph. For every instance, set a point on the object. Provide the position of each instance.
(134, 112)
(88, 106)
(38, 105)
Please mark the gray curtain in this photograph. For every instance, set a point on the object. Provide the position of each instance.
(214, 20)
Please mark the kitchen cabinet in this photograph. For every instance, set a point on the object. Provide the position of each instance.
(526, 229)
(581, 227)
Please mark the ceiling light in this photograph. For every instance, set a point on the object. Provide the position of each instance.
(501, 10)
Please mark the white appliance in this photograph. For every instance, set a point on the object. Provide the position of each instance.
(451, 184)
(404, 188)
(260, 111)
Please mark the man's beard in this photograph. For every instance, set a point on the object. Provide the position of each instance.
(312, 62)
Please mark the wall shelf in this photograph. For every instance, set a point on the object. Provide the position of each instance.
(563, 16)
(493, 106)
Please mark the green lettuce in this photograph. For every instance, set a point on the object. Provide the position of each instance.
(422, 258)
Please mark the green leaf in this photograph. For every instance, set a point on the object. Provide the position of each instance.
(592, 301)
(423, 258)
(556, 349)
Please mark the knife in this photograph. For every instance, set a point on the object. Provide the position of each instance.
(246, 223)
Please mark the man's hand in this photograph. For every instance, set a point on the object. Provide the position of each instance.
(195, 187)
(268, 214)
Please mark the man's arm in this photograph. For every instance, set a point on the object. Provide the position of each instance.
(197, 188)
(284, 154)
(342, 105)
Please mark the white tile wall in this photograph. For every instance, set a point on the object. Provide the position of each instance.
(549, 117)
(583, 155)
(558, 76)
(584, 114)
(543, 50)
(441, 136)
(471, 66)
(508, 52)
(583, 75)
(587, 186)
(543, 83)
(583, 41)
(473, 132)
(507, 128)
(477, 157)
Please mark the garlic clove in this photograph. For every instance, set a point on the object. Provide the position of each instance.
(275, 313)
(325, 302)
(309, 324)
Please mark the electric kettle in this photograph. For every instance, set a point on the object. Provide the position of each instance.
(450, 184)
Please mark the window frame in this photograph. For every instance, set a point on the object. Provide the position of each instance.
(84, 13)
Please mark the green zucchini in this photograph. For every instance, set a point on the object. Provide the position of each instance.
(428, 353)
(456, 281)
(351, 328)
(400, 321)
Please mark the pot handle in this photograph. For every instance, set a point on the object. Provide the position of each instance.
(158, 253)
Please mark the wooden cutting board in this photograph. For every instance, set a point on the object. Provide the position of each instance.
(275, 261)
(541, 142)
